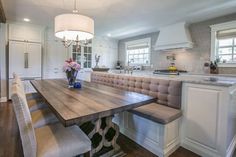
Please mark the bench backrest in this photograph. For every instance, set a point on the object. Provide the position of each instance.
(167, 92)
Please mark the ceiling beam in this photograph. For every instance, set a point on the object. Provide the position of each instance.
(2, 14)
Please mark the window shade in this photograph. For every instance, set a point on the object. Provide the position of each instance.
(224, 34)
(138, 46)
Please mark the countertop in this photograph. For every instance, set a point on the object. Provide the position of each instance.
(208, 79)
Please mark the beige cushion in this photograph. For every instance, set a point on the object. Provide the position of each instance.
(33, 96)
(36, 104)
(158, 113)
(43, 117)
(58, 141)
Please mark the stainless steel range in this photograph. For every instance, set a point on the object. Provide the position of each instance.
(168, 72)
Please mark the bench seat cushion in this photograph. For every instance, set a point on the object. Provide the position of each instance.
(33, 96)
(58, 141)
(43, 117)
(36, 104)
(157, 113)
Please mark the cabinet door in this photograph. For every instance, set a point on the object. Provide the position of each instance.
(17, 32)
(34, 60)
(16, 58)
(84, 75)
(25, 33)
(80, 75)
(33, 34)
(201, 116)
(87, 57)
(82, 55)
(87, 76)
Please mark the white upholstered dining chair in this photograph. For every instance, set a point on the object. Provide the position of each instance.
(39, 117)
(34, 100)
(50, 140)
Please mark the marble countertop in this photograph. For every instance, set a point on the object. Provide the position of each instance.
(207, 79)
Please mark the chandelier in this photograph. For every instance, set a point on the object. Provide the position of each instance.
(73, 27)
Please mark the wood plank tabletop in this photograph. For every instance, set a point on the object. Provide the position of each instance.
(91, 102)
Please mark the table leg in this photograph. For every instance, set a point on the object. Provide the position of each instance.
(103, 134)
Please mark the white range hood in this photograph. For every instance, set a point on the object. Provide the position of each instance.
(175, 36)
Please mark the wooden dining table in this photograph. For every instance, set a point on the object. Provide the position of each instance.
(92, 107)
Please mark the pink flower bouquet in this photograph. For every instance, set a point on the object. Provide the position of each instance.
(71, 69)
(71, 65)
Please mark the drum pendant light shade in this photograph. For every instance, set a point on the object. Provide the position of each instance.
(69, 26)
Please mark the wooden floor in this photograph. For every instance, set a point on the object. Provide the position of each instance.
(10, 145)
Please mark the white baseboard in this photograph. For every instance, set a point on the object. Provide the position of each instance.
(199, 149)
(3, 99)
(206, 151)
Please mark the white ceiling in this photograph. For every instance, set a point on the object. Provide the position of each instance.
(121, 18)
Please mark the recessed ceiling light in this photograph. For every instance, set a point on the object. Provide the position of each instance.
(109, 35)
(26, 20)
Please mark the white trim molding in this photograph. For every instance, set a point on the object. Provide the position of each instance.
(214, 29)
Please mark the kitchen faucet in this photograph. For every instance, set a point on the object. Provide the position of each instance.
(129, 68)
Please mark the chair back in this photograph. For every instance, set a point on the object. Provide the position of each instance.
(24, 121)
(17, 80)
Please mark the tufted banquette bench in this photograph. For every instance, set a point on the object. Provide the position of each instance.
(155, 126)
(167, 92)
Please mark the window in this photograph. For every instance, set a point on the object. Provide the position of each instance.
(138, 52)
(224, 44)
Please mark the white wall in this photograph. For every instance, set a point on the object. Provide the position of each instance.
(108, 50)
(54, 54)
(105, 47)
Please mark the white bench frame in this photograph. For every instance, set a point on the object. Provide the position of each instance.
(160, 139)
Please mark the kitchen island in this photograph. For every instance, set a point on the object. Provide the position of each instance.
(208, 79)
(208, 123)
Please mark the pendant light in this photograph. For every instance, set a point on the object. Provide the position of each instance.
(73, 27)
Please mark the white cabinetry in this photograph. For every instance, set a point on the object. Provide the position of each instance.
(24, 59)
(28, 33)
(16, 58)
(207, 118)
(82, 55)
(84, 75)
(34, 51)
(25, 53)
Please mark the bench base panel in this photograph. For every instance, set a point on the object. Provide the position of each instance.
(160, 139)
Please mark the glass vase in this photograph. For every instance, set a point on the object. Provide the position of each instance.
(71, 77)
